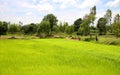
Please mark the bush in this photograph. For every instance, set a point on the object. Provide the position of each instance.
(110, 41)
(87, 39)
(113, 43)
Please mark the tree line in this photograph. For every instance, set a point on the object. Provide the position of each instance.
(82, 26)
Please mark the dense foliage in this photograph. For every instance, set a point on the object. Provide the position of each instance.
(3, 28)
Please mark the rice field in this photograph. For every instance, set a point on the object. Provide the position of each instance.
(57, 57)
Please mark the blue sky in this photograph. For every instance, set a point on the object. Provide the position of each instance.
(28, 11)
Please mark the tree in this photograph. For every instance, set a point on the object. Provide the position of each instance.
(85, 26)
(24, 29)
(32, 28)
(65, 25)
(116, 25)
(52, 20)
(81, 30)
(61, 27)
(92, 14)
(3, 28)
(93, 30)
(77, 24)
(13, 28)
(108, 16)
(117, 18)
(101, 25)
(70, 29)
(87, 21)
(44, 28)
(29, 29)
(55, 29)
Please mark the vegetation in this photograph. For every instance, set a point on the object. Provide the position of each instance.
(52, 20)
(77, 24)
(58, 57)
(82, 26)
(116, 25)
(44, 27)
(102, 26)
(13, 28)
(3, 28)
(94, 51)
(29, 29)
(70, 29)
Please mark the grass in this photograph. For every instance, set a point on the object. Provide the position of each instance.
(110, 41)
(57, 57)
(105, 39)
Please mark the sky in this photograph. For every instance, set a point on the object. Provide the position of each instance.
(33, 11)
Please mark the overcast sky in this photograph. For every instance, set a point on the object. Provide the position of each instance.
(28, 11)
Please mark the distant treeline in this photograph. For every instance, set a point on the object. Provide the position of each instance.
(82, 26)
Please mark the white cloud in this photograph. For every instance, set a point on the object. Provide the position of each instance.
(77, 3)
(16, 18)
(34, 0)
(3, 4)
(66, 3)
(45, 7)
(114, 3)
(26, 4)
(44, 1)
(89, 3)
(42, 7)
(71, 16)
(29, 13)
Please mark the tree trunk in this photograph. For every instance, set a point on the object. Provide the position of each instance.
(96, 38)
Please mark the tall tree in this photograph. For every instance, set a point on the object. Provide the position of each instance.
(87, 21)
(92, 14)
(117, 18)
(108, 16)
(116, 25)
(85, 26)
(101, 25)
(52, 20)
(44, 28)
(77, 24)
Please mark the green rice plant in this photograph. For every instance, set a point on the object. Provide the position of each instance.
(57, 57)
